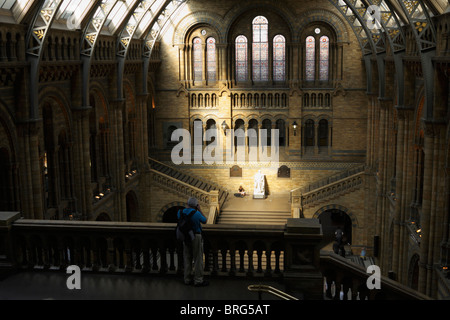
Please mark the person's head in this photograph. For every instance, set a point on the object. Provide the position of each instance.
(192, 202)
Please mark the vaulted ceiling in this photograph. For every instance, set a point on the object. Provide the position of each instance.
(377, 24)
(144, 19)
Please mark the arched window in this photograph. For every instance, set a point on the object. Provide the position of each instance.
(317, 54)
(324, 58)
(310, 58)
(279, 58)
(323, 133)
(309, 133)
(241, 58)
(197, 57)
(211, 59)
(260, 49)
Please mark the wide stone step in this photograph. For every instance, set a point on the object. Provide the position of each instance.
(253, 217)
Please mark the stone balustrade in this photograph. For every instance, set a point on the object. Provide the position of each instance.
(289, 253)
(332, 189)
(180, 187)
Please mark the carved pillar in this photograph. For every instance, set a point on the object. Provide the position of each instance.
(398, 191)
(425, 269)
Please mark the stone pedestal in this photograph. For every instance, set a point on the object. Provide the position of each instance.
(302, 262)
(7, 263)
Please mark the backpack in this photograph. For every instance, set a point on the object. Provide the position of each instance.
(185, 227)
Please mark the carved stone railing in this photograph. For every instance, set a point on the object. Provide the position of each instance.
(289, 253)
(332, 190)
(327, 188)
(352, 280)
(188, 184)
(183, 189)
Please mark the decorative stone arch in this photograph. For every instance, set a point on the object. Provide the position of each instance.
(56, 96)
(324, 16)
(325, 117)
(241, 7)
(337, 207)
(413, 270)
(267, 116)
(103, 216)
(307, 117)
(214, 117)
(280, 117)
(211, 19)
(240, 116)
(98, 91)
(159, 216)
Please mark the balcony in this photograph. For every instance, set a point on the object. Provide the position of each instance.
(117, 259)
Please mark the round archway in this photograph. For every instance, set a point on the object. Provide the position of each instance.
(333, 219)
(170, 215)
(103, 217)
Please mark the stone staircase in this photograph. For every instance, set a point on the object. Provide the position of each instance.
(330, 188)
(189, 179)
(274, 210)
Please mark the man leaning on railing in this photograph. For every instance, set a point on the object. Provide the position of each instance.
(193, 251)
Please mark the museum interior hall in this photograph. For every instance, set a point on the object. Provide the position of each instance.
(314, 134)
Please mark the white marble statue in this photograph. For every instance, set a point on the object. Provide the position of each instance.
(259, 185)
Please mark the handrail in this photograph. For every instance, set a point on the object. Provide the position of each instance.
(331, 179)
(273, 291)
(224, 192)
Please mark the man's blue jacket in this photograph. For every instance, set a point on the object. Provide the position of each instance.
(197, 218)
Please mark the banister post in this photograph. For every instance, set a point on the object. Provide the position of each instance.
(213, 206)
(302, 256)
(7, 259)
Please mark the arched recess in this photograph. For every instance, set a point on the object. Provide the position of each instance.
(160, 215)
(132, 207)
(336, 216)
(413, 272)
(171, 214)
(103, 216)
(9, 175)
(188, 23)
(56, 153)
(99, 138)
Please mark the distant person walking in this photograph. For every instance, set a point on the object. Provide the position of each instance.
(193, 251)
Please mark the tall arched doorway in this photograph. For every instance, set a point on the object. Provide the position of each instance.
(331, 220)
(413, 274)
(132, 207)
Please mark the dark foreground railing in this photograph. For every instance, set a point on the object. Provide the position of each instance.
(289, 253)
(144, 247)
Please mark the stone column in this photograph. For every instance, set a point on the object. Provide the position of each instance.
(398, 191)
(424, 267)
(35, 171)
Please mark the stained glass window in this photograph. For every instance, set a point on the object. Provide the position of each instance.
(211, 59)
(310, 58)
(279, 54)
(260, 49)
(241, 58)
(197, 57)
(324, 58)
